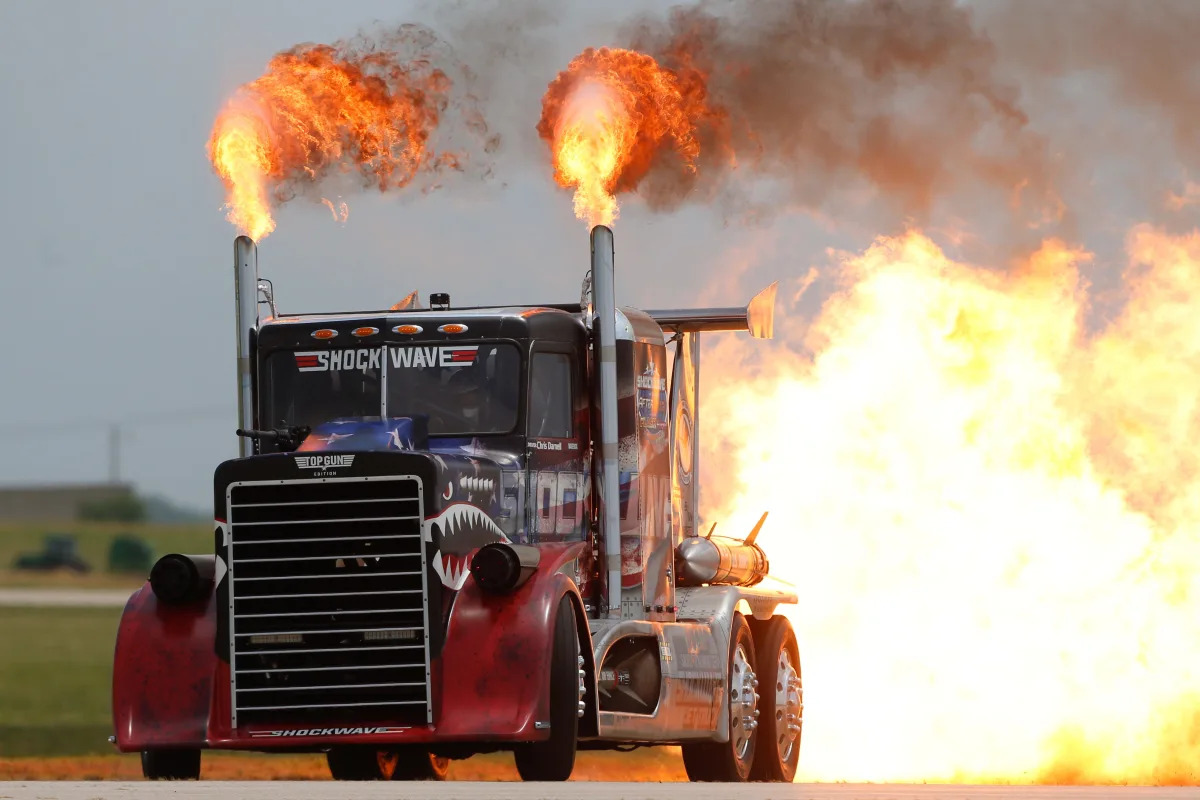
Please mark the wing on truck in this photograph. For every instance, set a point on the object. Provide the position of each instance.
(757, 318)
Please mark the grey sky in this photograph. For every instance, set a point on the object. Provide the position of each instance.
(116, 302)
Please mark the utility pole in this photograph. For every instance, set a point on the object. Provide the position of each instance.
(114, 453)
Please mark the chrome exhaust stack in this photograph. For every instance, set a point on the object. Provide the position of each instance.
(245, 274)
(605, 331)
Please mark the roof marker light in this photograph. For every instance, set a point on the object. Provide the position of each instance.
(324, 333)
(407, 329)
(365, 330)
(452, 327)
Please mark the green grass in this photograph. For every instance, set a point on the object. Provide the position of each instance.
(94, 540)
(56, 680)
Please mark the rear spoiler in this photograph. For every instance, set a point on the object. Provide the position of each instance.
(758, 317)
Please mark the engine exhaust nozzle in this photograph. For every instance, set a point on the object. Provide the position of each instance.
(605, 326)
(245, 314)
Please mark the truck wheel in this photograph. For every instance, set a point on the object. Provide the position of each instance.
(171, 765)
(554, 758)
(368, 764)
(731, 761)
(782, 703)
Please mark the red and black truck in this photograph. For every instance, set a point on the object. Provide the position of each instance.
(459, 530)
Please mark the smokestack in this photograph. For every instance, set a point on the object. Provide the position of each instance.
(604, 288)
(245, 287)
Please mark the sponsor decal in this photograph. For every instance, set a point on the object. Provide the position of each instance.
(324, 462)
(647, 381)
(407, 357)
(324, 732)
(652, 400)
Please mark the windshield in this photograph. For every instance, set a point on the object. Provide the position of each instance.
(461, 389)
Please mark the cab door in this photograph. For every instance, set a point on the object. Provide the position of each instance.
(556, 429)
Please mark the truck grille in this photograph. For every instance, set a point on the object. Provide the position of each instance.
(328, 600)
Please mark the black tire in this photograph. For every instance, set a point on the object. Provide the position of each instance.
(375, 764)
(731, 761)
(554, 758)
(782, 703)
(171, 765)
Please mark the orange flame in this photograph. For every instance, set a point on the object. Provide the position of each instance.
(610, 117)
(989, 511)
(319, 109)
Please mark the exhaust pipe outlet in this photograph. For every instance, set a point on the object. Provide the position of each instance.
(500, 568)
(245, 287)
(177, 580)
(604, 289)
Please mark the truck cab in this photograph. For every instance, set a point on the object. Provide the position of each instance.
(456, 530)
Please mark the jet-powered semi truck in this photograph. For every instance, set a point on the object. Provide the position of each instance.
(452, 531)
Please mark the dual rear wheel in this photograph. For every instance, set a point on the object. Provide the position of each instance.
(766, 709)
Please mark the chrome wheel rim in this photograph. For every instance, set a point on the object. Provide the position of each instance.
(743, 704)
(789, 706)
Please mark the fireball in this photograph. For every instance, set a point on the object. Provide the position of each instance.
(990, 511)
(610, 117)
(320, 110)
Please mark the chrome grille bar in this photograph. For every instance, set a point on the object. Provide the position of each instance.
(330, 650)
(325, 594)
(330, 521)
(328, 539)
(350, 574)
(333, 705)
(335, 557)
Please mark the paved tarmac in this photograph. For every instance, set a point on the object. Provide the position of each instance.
(454, 790)
(70, 598)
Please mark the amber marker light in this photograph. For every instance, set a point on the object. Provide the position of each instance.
(452, 327)
(324, 334)
(407, 329)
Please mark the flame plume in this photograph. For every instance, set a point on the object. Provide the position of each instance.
(610, 117)
(989, 511)
(319, 109)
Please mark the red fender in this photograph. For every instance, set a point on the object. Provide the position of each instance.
(162, 673)
(496, 658)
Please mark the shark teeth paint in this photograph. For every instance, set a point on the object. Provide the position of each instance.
(457, 531)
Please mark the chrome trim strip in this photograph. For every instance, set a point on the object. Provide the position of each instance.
(333, 705)
(328, 649)
(325, 521)
(326, 594)
(327, 503)
(288, 614)
(331, 539)
(331, 630)
(326, 558)
(326, 669)
(321, 577)
(323, 687)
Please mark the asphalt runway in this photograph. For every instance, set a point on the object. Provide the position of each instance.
(454, 790)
